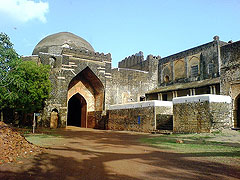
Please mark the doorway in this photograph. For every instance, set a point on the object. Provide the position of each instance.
(237, 123)
(77, 109)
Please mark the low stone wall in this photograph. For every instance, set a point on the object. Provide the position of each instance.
(141, 116)
(202, 113)
(94, 120)
(164, 122)
(164, 117)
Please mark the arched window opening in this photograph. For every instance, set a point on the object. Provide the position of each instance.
(194, 71)
(166, 79)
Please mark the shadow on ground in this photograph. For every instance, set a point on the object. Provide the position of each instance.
(91, 154)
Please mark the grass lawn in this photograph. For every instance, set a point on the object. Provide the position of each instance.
(43, 137)
(222, 147)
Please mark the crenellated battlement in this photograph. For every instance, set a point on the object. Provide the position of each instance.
(81, 53)
(137, 61)
(130, 61)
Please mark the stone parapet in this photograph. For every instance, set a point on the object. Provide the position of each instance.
(81, 53)
(137, 61)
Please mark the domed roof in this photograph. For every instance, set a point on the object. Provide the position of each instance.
(55, 42)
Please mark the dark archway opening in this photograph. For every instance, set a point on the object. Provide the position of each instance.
(238, 113)
(166, 79)
(77, 109)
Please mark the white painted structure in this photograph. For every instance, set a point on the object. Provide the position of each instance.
(202, 98)
(154, 103)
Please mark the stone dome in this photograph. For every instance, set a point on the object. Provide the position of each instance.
(56, 42)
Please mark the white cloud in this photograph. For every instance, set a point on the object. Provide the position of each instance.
(24, 10)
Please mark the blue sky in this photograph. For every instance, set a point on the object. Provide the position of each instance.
(122, 27)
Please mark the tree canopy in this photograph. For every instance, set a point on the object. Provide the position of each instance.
(9, 59)
(24, 85)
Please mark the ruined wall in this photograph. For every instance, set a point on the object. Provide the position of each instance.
(140, 116)
(179, 68)
(87, 55)
(202, 113)
(132, 62)
(137, 62)
(128, 85)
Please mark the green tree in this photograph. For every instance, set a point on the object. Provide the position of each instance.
(9, 59)
(24, 85)
(31, 86)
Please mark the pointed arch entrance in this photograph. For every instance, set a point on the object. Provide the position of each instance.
(85, 99)
(237, 112)
(77, 109)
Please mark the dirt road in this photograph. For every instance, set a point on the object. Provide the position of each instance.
(88, 154)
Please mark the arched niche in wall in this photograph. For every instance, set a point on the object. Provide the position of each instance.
(166, 73)
(179, 69)
(52, 61)
(194, 65)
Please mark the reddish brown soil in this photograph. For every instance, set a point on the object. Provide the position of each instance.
(94, 154)
(14, 146)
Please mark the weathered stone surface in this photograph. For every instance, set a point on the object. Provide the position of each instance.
(144, 116)
(77, 69)
(164, 122)
(55, 42)
(204, 115)
(230, 77)
(138, 119)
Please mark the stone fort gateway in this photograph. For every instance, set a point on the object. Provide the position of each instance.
(193, 91)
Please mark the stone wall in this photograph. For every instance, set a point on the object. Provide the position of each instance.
(230, 77)
(176, 68)
(164, 117)
(132, 62)
(128, 85)
(230, 66)
(144, 116)
(90, 55)
(137, 62)
(164, 122)
(201, 114)
(138, 119)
